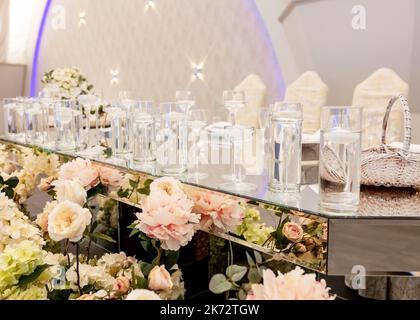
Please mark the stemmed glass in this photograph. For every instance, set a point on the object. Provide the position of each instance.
(185, 100)
(233, 101)
(196, 123)
(238, 136)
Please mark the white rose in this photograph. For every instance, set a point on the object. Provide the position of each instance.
(68, 220)
(69, 190)
(142, 294)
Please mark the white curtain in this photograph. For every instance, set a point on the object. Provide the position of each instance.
(4, 29)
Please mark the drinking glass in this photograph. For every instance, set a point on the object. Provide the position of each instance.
(185, 100)
(238, 136)
(233, 101)
(340, 153)
(13, 113)
(68, 125)
(285, 147)
(196, 123)
(89, 105)
(120, 128)
(143, 132)
(172, 153)
(36, 122)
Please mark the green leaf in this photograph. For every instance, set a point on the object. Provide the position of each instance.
(146, 268)
(254, 276)
(1, 180)
(250, 260)
(219, 284)
(134, 184)
(100, 235)
(171, 258)
(108, 153)
(145, 191)
(235, 272)
(88, 288)
(148, 182)
(123, 193)
(141, 283)
(99, 189)
(148, 247)
(27, 279)
(258, 257)
(134, 232)
(10, 193)
(59, 295)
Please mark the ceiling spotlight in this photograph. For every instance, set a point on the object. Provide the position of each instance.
(197, 70)
(114, 76)
(149, 5)
(82, 18)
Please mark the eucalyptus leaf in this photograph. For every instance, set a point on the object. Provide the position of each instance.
(254, 276)
(250, 260)
(134, 184)
(99, 235)
(219, 284)
(258, 257)
(27, 279)
(235, 272)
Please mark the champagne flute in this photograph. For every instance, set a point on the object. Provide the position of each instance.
(185, 100)
(233, 101)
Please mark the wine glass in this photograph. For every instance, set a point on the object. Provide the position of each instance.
(185, 100)
(233, 101)
(238, 136)
(89, 107)
(196, 123)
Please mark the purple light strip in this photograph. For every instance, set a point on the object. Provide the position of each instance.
(34, 74)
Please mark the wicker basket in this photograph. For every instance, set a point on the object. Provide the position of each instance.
(388, 166)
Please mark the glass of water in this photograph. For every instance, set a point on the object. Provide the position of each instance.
(172, 152)
(68, 125)
(143, 132)
(13, 113)
(36, 121)
(339, 163)
(120, 128)
(196, 123)
(233, 101)
(285, 147)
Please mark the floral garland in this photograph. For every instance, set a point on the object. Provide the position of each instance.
(65, 83)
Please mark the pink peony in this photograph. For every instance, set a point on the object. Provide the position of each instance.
(109, 176)
(324, 232)
(166, 214)
(80, 170)
(293, 231)
(294, 285)
(219, 210)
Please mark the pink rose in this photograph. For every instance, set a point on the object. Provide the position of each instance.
(122, 285)
(166, 214)
(45, 184)
(222, 211)
(109, 176)
(160, 279)
(9, 168)
(80, 170)
(293, 232)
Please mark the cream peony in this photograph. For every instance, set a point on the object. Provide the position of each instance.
(42, 218)
(160, 279)
(166, 214)
(142, 294)
(294, 285)
(122, 284)
(68, 221)
(70, 190)
(221, 211)
(80, 170)
(293, 231)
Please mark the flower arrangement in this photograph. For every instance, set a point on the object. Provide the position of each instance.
(261, 283)
(252, 229)
(65, 83)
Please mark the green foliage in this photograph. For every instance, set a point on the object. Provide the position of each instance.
(27, 279)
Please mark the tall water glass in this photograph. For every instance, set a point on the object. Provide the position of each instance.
(68, 124)
(120, 129)
(36, 122)
(198, 139)
(143, 132)
(340, 153)
(89, 105)
(172, 152)
(285, 147)
(13, 113)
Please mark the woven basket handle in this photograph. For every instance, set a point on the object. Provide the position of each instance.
(407, 122)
